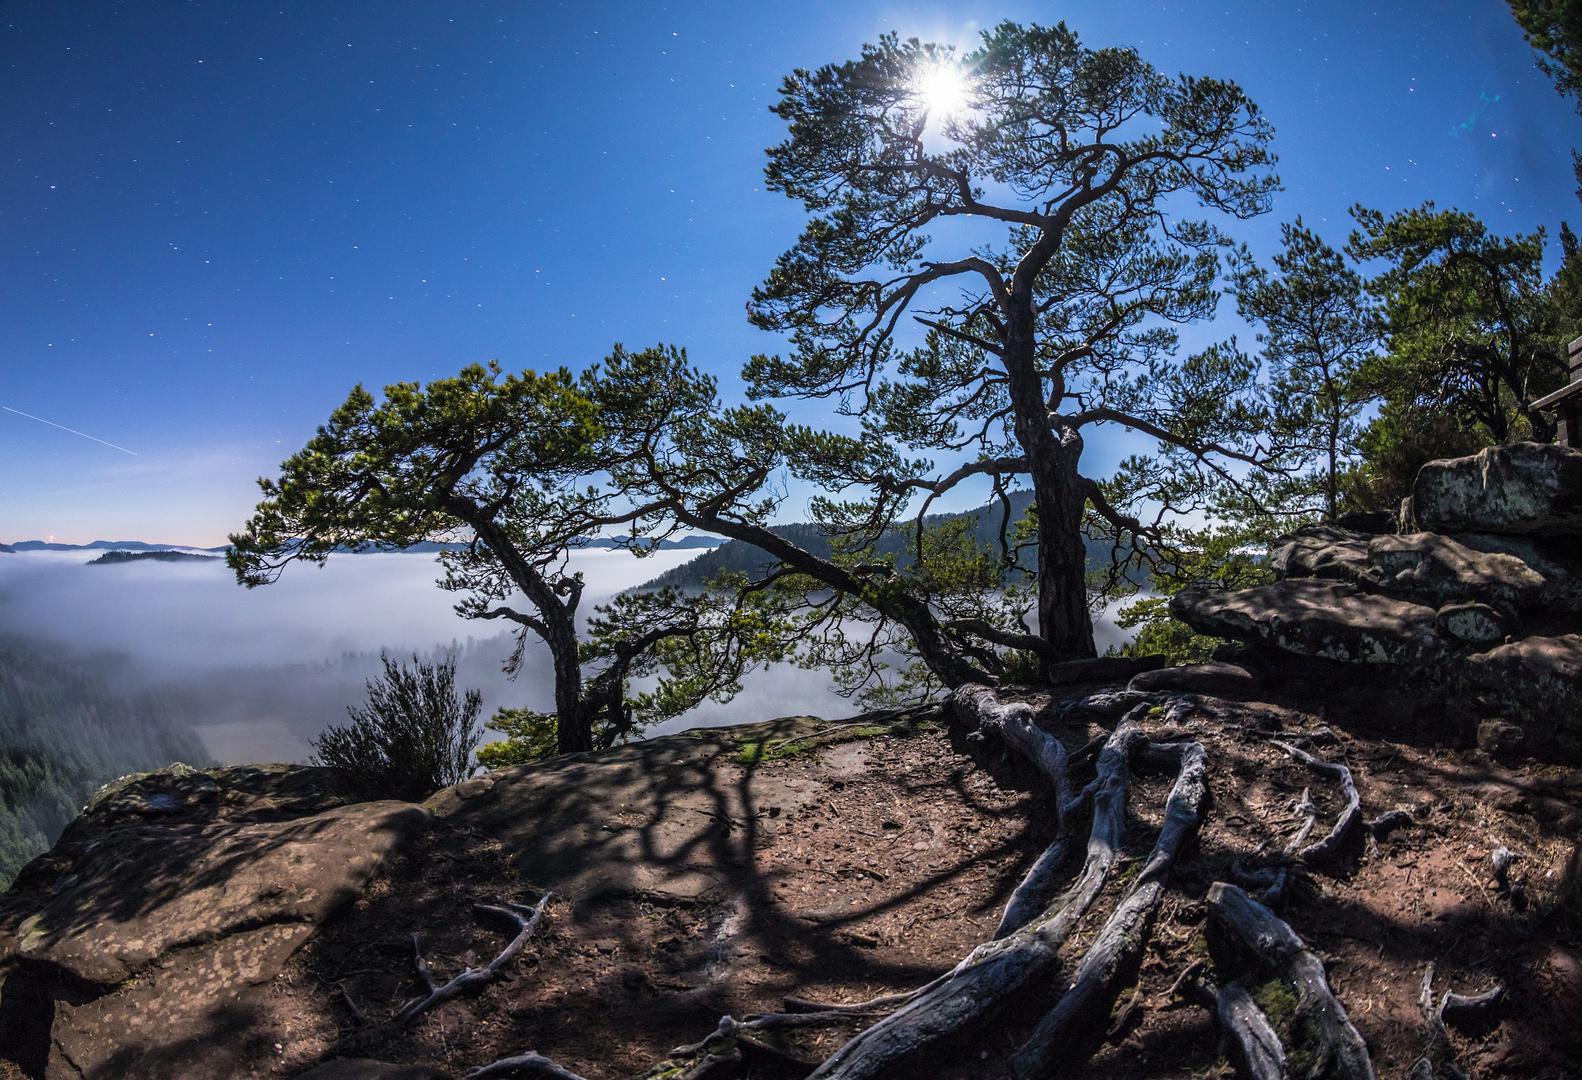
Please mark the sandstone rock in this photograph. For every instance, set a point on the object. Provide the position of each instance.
(1496, 736)
(144, 890)
(1323, 619)
(365, 1069)
(1557, 561)
(1476, 624)
(1519, 488)
(181, 1018)
(1543, 675)
(1423, 568)
(173, 795)
(1320, 551)
(1215, 678)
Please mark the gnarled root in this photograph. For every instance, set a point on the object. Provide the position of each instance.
(1123, 938)
(1015, 725)
(1438, 1056)
(523, 1066)
(526, 919)
(1254, 931)
(1257, 1049)
(996, 970)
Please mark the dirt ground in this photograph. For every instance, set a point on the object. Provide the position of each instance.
(901, 861)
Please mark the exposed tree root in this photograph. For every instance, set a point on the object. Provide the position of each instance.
(1309, 810)
(1256, 1048)
(526, 919)
(998, 969)
(1438, 1058)
(1015, 725)
(1119, 945)
(523, 1066)
(1381, 825)
(1324, 1041)
(1331, 845)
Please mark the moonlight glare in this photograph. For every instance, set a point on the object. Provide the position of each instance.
(943, 90)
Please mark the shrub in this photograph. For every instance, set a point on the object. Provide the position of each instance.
(413, 736)
(529, 737)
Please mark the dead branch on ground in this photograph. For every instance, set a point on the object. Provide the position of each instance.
(1331, 844)
(526, 919)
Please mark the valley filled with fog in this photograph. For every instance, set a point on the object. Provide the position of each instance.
(259, 673)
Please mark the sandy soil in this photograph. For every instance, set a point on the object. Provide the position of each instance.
(900, 861)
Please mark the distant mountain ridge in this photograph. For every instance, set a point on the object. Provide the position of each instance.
(105, 545)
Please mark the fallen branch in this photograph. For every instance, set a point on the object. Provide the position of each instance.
(526, 919)
(1331, 844)
(1338, 1049)
(1116, 950)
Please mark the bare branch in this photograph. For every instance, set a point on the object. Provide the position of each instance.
(526, 919)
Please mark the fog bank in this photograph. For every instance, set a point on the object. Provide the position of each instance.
(261, 672)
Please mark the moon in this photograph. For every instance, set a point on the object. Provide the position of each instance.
(942, 90)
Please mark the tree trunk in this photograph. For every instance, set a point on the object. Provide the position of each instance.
(1063, 617)
(557, 626)
(1052, 458)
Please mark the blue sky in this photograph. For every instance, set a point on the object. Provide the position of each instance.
(216, 218)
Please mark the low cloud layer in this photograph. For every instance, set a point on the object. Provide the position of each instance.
(261, 672)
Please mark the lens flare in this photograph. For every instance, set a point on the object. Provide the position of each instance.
(943, 91)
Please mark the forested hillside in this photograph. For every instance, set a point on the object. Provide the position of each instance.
(68, 723)
(739, 558)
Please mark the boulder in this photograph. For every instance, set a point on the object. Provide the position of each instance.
(1323, 619)
(1475, 624)
(1517, 489)
(1320, 551)
(1218, 679)
(167, 909)
(1498, 736)
(1423, 568)
(1554, 560)
(1540, 675)
(149, 889)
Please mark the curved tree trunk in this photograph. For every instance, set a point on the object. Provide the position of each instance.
(557, 626)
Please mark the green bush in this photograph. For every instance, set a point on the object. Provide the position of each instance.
(412, 737)
(529, 737)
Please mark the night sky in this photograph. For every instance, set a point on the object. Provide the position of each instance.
(215, 218)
